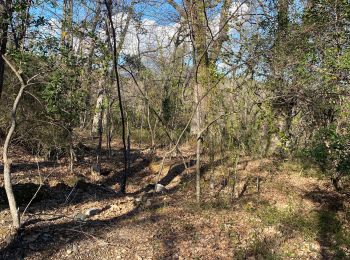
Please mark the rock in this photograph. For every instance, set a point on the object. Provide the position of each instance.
(80, 217)
(138, 201)
(92, 230)
(148, 203)
(92, 211)
(69, 251)
(159, 188)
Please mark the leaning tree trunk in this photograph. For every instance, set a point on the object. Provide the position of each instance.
(7, 161)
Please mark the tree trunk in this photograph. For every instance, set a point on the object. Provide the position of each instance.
(88, 68)
(141, 130)
(9, 193)
(71, 152)
(98, 111)
(199, 38)
(7, 161)
(108, 127)
(198, 169)
(5, 14)
(150, 126)
(115, 67)
(129, 143)
(199, 144)
(67, 25)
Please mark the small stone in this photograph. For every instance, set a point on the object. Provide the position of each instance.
(91, 230)
(148, 203)
(69, 252)
(159, 188)
(80, 217)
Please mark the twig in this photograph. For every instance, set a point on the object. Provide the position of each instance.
(70, 193)
(37, 191)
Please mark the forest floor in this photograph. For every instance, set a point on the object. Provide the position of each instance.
(279, 210)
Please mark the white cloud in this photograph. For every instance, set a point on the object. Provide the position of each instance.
(238, 13)
(148, 36)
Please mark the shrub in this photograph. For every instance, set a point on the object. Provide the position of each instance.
(330, 149)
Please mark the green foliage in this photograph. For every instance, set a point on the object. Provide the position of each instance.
(64, 100)
(331, 150)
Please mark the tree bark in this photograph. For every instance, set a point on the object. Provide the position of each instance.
(67, 25)
(7, 161)
(98, 110)
(115, 67)
(88, 68)
(5, 14)
(195, 15)
(198, 169)
(223, 34)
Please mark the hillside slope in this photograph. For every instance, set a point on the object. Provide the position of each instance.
(291, 215)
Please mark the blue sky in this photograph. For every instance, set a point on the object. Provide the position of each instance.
(159, 11)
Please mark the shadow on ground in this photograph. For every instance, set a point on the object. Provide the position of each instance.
(332, 237)
(49, 235)
(50, 238)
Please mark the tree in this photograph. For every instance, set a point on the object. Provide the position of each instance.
(108, 5)
(5, 14)
(206, 52)
(7, 162)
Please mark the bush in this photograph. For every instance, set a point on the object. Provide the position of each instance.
(330, 149)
